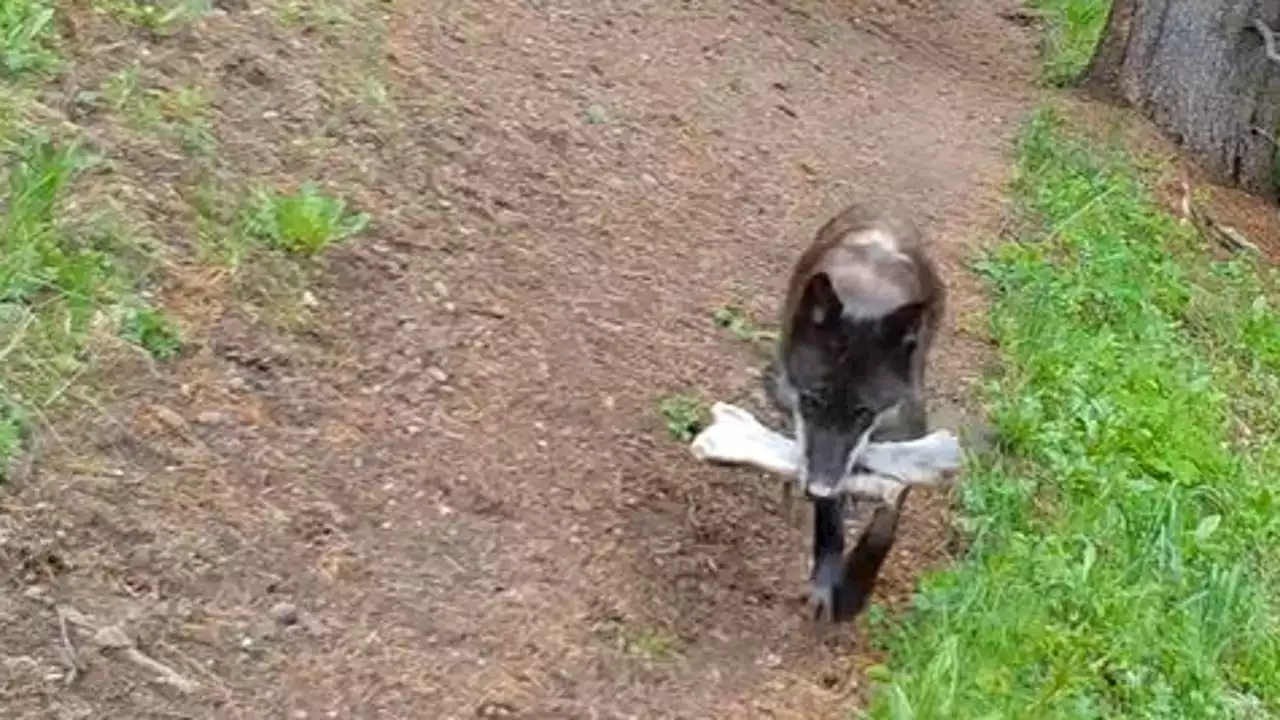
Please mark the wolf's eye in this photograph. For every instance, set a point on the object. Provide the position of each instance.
(811, 403)
(909, 343)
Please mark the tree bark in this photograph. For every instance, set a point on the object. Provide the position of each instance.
(1199, 69)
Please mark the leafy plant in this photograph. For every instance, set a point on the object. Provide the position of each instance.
(684, 416)
(153, 331)
(306, 222)
(735, 320)
(26, 36)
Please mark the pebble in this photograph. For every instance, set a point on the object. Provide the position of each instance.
(285, 613)
(211, 417)
(169, 417)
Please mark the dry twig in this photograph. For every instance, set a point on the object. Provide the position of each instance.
(69, 656)
(1212, 230)
(113, 637)
(1268, 39)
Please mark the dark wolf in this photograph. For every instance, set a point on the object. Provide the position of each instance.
(862, 309)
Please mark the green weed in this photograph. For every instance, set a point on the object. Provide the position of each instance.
(26, 36)
(326, 17)
(221, 237)
(1123, 560)
(183, 112)
(158, 18)
(306, 222)
(121, 88)
(187, 110)
(12, 425)
(650, 645)
(683, 415)
(736, 321)
(153, 331)
(1072, 31)
(254, 239)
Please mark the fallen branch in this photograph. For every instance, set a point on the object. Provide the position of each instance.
(885, 469)
(69, 656)
(1212, 230)
(114, 638)
(1268, 39)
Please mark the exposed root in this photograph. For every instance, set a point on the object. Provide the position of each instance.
(113, 640)
(1212, 230)
(1268, 40)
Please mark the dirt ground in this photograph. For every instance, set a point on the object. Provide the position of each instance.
(452, 495)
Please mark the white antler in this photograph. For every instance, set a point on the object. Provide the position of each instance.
(736, 437)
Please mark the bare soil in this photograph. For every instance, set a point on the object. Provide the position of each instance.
(451, 495)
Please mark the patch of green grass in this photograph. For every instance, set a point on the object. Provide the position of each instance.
(153, 331)
(12, 426)
(326, 17)
(183, 113)
(650, 645)
(305, 222)
(736, 321)
(683, 415)
(266, 241)
(159, 17)
(121, 89)
(26, 36)
(220, 236)
(187, 109)
(60, 280)
(1073, 28)
(1125, 539)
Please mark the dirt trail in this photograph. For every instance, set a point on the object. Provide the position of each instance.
(461, 484)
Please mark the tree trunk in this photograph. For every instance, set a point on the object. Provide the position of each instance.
(1199, 69)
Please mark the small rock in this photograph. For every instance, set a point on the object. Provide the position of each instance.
(169, 417)
(212, 417)
(437, 374)
(112, 637)
(440, 289)
(309, 300)
(492, 709)
(285, 613)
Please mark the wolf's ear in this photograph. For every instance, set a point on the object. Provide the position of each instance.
(820, 306)
(901, 328)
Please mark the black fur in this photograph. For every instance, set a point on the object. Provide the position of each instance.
(837, 388)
